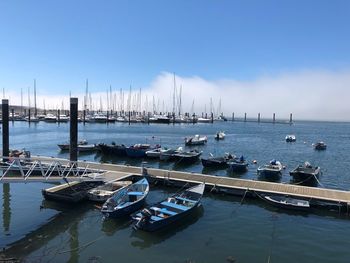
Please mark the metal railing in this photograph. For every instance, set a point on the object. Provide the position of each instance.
(31, 167)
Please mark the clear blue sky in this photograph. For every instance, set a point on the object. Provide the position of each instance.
(61, 43)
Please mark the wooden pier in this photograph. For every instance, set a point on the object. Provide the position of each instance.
(215, 184)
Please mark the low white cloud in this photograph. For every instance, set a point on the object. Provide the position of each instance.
(313, 95)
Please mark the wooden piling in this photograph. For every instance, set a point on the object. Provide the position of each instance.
(13, 115)
(291, 118)
(274, 118)
(84, 116)
(73, 148)
(233, 116)
(5, 128)
(259, 117)
(245, 117)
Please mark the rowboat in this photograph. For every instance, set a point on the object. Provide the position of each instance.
(287, 202)
(171, 210)
(103, 192)
(127, 200)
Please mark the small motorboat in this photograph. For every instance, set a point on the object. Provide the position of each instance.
(306, 174)
(290, 138)
(113, 149)
(103, 192)
(65, 146)
(169, 155)
(287, 202)
(217, 162)
(196, 140)
(220, 135)
(127, 200)
(187, 157)
(139, 150)
(271, 171)
(88, 148)
(238, 165)
(320, 146)
(170, 210)
(155, 153)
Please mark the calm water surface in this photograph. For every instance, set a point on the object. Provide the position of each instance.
(222, 230)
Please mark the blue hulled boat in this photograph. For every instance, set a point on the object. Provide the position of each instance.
(127, 200)
(170, 210)
(113, 149)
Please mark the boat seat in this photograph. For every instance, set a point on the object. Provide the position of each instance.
(163, 211)
(185, 199)
(156, 218)
(124, 204)
(180, 207)
(136, 193)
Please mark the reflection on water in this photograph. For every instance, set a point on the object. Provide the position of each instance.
(6, 214)
(111, 225)
(147, 239)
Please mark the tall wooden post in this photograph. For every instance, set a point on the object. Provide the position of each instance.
(259, 117)
(245, 117)
(5, 128)
(73, 148)
(274, 118)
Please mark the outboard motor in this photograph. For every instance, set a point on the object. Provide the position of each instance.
(145, 216)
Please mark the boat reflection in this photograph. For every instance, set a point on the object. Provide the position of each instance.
(111, 225)
(142, 239)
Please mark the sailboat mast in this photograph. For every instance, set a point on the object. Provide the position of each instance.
(174, 94)
(35, 109)
(21, 101)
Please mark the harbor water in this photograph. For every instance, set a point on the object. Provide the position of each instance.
(223, 229)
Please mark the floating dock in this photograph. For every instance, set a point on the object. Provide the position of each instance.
(215, 184)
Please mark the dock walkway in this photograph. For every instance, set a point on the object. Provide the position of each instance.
(219, 184)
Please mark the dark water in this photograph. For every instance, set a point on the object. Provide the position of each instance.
(223, 230)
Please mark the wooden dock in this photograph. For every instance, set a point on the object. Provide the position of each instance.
(227, 185)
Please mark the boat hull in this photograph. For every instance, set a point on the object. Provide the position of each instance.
(117, 150)
(219, 163)
(157, 225)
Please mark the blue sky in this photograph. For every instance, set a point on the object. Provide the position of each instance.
(61, 43)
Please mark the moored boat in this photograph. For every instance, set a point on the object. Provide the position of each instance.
(170, 210)
(238, 165)
(320, 146)
(169, 154)
(271, 171)
(196, 140)
(306, 174)
(65, 146)
(70, 192)
(287, 202)
(127, 200)
(139, 150)
(103, 192)
(217, 162)
(113, 149)
(290, 138)
(187, 157)
(220, 135)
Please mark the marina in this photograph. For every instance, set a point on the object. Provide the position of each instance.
(182, 132)
(219, 183)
